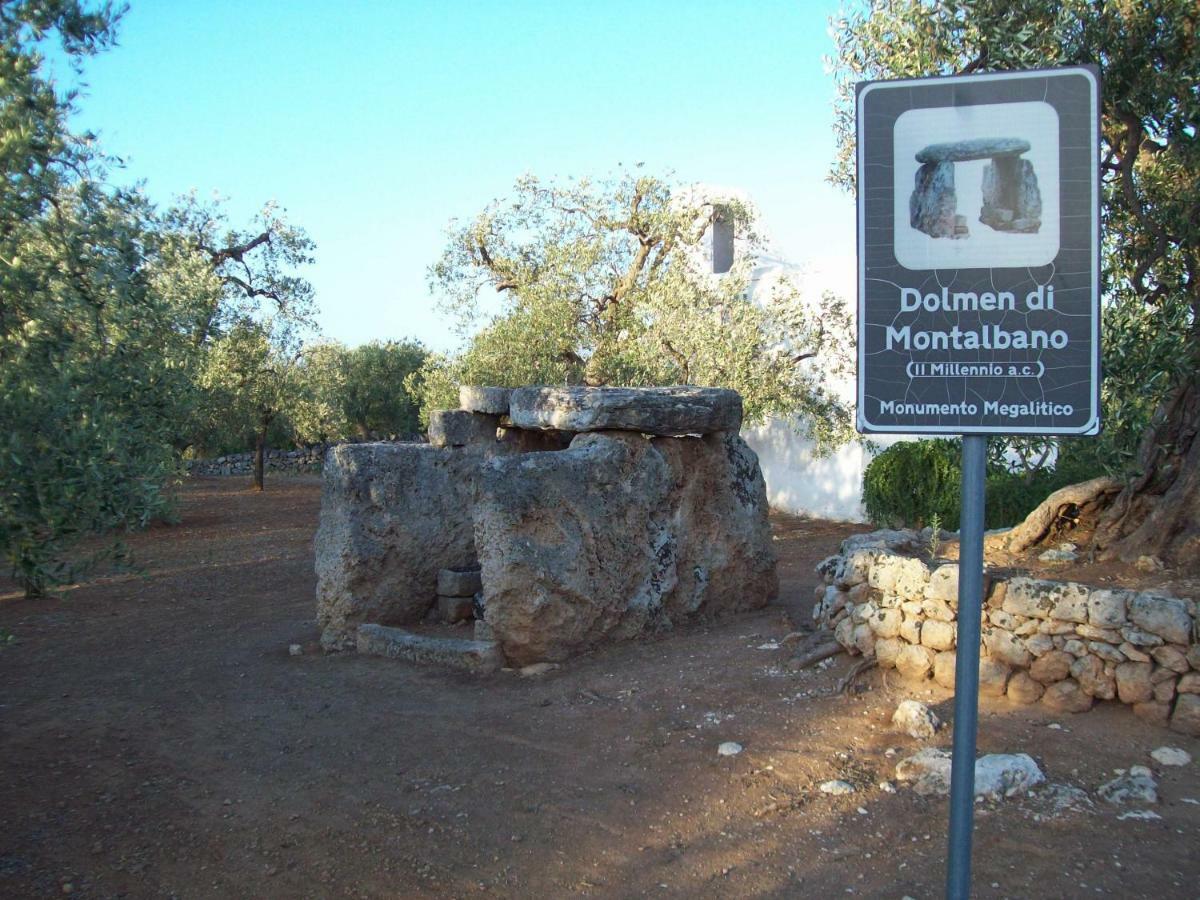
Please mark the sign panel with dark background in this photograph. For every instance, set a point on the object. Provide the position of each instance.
(978, 231)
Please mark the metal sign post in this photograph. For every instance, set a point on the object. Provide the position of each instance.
(966, 667)
(978, 299)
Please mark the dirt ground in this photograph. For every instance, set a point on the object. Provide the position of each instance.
(158, 740)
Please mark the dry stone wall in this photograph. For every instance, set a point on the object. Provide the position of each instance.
(308, 460)
(1063, 644)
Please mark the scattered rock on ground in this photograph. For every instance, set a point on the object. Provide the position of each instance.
(837, 786)
(916, 720)
(1135, 786)
(997, 775)
(729, 748)
(1171, 756)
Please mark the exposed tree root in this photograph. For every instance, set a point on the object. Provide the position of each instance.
(1063, 504)
(857, 669)
(818, 646)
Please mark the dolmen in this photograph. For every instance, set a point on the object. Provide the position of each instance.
(1012, 201)
(591, 515)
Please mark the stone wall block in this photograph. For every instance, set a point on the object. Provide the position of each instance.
(914, 662)
(1186, 717)
(1067, 696)
(1007, 647)
(1171, 656)
(938, 635)
(1107, 608)
(1166, 617)
(1051, 667)
(1133, 682)
(458, 428)
(886, 623)
(1090, 673)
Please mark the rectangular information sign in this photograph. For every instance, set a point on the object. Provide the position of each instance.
(978, 254)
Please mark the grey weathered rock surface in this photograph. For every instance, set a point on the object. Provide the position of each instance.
(1166, 617)
(1186, 717)
(975, 148)
(480, 399)
(392, 515)
(997, 775)
(619, 535)
(665, 411)
(1135, 786)
(1067, 696)
(469, 656)
(1012, 201)
(462, 582)
(916, 720)
(932, 206)
(458, 428)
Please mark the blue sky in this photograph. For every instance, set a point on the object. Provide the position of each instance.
(376, 123)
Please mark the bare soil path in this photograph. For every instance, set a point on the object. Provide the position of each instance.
(158, 740)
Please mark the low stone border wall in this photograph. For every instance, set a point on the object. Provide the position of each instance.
(308, 460)
(1063, 644)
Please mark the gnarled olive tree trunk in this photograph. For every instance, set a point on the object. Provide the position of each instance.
(1158, 513)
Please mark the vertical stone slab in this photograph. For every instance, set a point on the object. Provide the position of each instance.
(392, 516)
(726, 559)
(619, 535)
(933, 202)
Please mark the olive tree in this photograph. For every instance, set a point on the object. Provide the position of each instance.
(601, 283)
(1149, 56)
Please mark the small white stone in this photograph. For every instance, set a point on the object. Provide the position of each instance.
(836, 786)
(729, 748)
(1139, 814)
(862, 811)
(916, 720)
(1171, 756)
(1054, 726)
(295, 650)
(887, 787)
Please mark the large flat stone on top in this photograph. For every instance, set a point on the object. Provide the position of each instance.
(665, 411)
(977, 148)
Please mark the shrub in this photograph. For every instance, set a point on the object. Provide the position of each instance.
(911, 482)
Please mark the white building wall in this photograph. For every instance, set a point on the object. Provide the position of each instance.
(799, 482)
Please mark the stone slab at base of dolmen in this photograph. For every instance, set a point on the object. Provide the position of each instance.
(1062, 644)
(621, 533)
(478, 657)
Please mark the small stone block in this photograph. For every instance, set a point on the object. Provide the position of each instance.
(453, 610)
(459, 582)
(490, 400)
(458, 428)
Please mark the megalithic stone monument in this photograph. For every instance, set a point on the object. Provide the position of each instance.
(1011, 198)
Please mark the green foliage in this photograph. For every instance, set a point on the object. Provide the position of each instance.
(1149, 56)
(603, 283)
(912, 484)
(373, 400)
(110, 314)
(92, 367)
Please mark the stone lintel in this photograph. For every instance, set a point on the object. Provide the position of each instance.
(663, 411)
(977, 148)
